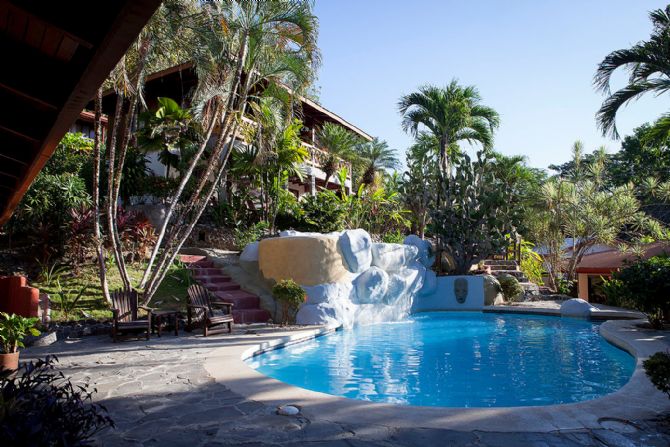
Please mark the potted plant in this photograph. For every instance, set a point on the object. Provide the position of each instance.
(290, 295)
(13, 329)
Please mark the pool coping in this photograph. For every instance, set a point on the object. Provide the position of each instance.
(637, 400)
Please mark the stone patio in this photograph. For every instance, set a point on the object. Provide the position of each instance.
(160, 393)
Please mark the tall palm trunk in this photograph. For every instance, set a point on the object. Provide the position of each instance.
(99, 247)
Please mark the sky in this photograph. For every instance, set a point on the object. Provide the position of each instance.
(533, 61)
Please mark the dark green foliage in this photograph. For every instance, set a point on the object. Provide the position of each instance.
(39, 407)
(323, 213)
(511, 289)
(393, 237)
(645, 286)
(657, 368)
(245, 236)
(290, 295)
(472, 216)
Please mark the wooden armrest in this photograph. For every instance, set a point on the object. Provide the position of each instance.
(148, 309)
(221, 303)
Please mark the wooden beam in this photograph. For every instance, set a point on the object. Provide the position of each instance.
(120, 34)
(28, 96)
(18, 134)
(33, 16)
(21, 162)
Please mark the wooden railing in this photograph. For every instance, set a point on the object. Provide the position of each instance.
(319, 157)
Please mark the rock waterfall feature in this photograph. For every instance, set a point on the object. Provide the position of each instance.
(351, 280)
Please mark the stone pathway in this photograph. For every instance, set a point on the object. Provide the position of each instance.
(159, 393)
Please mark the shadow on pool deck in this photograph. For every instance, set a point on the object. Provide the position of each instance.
(159, 393)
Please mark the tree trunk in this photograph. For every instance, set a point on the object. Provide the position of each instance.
(99, 247)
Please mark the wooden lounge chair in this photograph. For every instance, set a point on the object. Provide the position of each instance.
(124, 309)
(202, 310)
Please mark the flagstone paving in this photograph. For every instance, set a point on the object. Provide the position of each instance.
(159, 393)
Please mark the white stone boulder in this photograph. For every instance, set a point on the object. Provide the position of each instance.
(492, 291)
(425, 254)
(371, 286)
(328, 293)
(355, 246)
(429, 283)
(393, 257)
(403, 283)
(317, 314)
(576, 307)
(249, 258)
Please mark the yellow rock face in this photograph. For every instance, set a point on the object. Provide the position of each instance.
(306, 260)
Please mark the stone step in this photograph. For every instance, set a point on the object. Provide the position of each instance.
(496, 267)
(492, 262)
(213, 279)
(193, 259)
(248, 316)
(205, 271)
(244, 302)
(222, 286)
(229, 296)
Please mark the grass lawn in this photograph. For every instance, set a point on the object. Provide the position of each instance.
(170, 295)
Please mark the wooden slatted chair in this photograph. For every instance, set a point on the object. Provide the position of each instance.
(202, 310)
(126, 321)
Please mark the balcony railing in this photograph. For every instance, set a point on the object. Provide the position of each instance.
(319, 157)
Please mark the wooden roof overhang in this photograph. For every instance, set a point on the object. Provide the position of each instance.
(55, 55)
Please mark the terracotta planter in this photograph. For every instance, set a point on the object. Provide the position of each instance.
(9, 361)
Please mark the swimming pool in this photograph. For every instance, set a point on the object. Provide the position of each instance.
(457, 359)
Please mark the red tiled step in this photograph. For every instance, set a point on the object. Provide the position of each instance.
(207, 271)
(193, 259)
(228, 296)
(222, 286)
(214, 279)
(247, 316)
(244, 302)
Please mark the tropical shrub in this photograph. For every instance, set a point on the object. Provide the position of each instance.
(323, 213)
(471, 216)
(532, 264)
(511, 289)
(13, 329)
(246, 236)
(645, 286)
(290, 295)
(657, 368)
(39, 406)
(68, 299)
(393, 237)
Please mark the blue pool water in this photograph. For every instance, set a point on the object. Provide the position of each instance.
(457, 359)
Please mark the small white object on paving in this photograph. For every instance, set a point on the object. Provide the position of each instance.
(288, 410)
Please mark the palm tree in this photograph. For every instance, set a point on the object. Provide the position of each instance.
(376, 156)
(339, 143)
(453, 113)
(648, 64)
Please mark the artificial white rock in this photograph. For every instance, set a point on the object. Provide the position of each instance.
(355, 246)
(371, 286)
(249, 258)
(576, 307)
(429, 283)
(322, 313)
(425, 248)
(327, 293)
(403, 283)
(388, 256)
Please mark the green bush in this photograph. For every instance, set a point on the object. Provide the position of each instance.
(323, 213)
(246, 236)
(393, 237)
(657, 368)
(290, 295)
(645, 286)
(511, 289)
